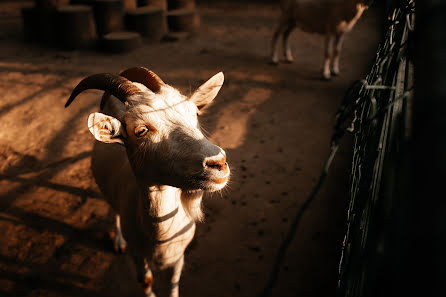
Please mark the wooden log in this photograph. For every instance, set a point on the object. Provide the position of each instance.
(81, 2)
(130, 5)
(108, 16)
(44, 3)
(148, 21)
(186, 19)
(180, 4)
(39, 24)
(75, 26)
(119, 42)
(176, 36)
(160, 3)
(51, 3)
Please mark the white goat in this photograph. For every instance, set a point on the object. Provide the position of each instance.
(330, 17)
(152, 163)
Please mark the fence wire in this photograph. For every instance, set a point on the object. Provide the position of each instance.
(378, 111)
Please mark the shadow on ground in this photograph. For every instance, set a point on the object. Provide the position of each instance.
(275, 124)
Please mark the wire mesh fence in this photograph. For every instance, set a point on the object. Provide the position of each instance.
(378, 111)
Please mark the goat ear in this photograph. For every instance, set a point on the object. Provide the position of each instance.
(207, 91)
(105, 128)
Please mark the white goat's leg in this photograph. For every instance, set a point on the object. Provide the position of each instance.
(275, 41)
(145, 276)
(175, 279)
(167, 282)
(120, 243)
(329, 38)
(148, 283)
(337, 52)
(286, 45)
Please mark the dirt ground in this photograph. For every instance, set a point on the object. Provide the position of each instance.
(275, 123)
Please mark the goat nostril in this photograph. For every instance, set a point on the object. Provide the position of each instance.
(219, 164)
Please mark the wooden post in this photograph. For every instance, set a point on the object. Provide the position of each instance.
(183, 20)
(75, 26)
(148, 21)
(81, 2)
(51, 3)
(39, 24)
(160, 3)
(129, 5)
(108, 15)
(119, 42)
(182, 16)
(180, 4)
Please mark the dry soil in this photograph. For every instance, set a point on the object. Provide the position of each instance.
(275, 123)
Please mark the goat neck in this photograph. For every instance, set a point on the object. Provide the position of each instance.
(171, 229)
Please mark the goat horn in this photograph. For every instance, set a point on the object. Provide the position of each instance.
(141, 75)
(144, 76)
(116, 85)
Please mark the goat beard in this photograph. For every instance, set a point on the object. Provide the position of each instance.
(191, 202)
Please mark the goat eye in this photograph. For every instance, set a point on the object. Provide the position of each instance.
(141, 131)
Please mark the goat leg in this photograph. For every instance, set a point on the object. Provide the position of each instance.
(286, 45)
(283, 24)
(328, 56)
(175, 278)
(144, 275)
(147, 283)
(337, 52)
(120, 244)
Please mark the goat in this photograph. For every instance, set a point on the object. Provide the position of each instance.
(333, 18)
(152, 163)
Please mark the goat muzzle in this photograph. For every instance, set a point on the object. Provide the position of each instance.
(217, 169)
(219, 165)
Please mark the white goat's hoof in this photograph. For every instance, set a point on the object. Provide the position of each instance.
(120, 244)
(326, 76)
(335, 71)
(274, 61)
(289, 59)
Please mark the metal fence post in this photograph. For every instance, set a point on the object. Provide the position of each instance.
(428, 221)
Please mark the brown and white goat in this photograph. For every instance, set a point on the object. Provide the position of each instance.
(152, 163)
(333, 18)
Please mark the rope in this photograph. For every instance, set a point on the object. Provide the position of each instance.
(281, 253)
(349, 107)
(350, 117)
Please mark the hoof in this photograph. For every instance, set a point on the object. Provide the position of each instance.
(273, 63)
(147, 284)
(289, 60)
(335, 72)
(326, 76)
(120, 244)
